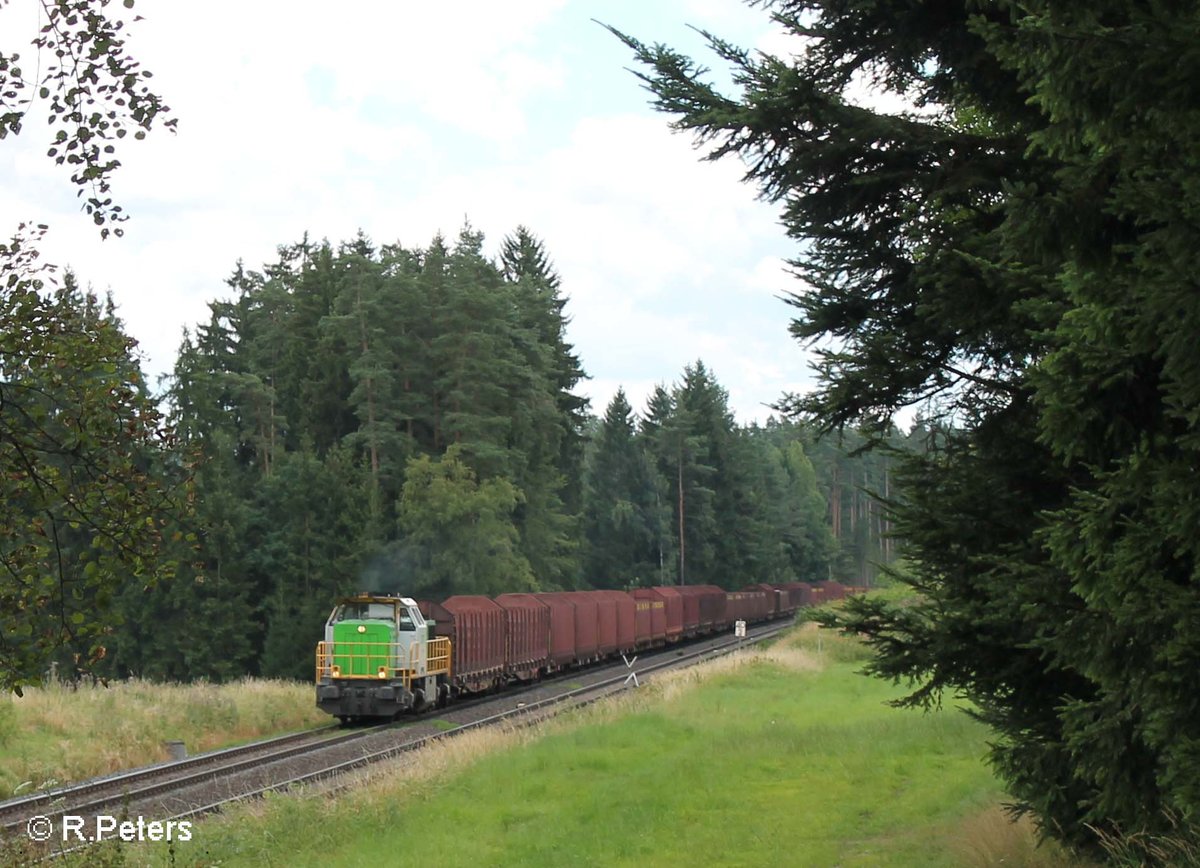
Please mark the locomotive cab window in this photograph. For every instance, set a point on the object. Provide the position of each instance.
(366, 612)
(406, 621)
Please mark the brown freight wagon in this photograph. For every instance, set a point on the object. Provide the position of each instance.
(711, 600)
(784, 596)
(562, 628)
(752, 603)
(764, 604)
(606, 611)
(777, 599)
(833, 590)
(690, 604)
(776, 604)
(477, 630)
(799, 594)
(587, 624)
(527, 621)
(803, 594)
(666, 612)
(626, 619)
(735, 606)
(650, 618)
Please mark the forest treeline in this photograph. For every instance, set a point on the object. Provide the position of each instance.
(408, 419)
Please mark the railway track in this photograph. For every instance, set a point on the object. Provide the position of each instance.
(531, 711)
(192, 787)
(112, 789)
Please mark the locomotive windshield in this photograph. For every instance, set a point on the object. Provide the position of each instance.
(366, 612)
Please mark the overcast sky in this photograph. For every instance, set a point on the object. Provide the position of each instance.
(403, 120)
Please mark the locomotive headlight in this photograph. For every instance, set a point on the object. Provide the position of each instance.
(362, 628)
(383, 672)
(335, 671)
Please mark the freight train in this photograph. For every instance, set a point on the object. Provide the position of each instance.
(384, 654)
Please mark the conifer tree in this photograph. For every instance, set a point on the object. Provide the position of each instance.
(652, 438)
(1021, 257)
(312, 545)
(620, 500)
(370, 323)
(525, 263)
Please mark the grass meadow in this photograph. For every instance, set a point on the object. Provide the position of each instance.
(783, 756)
(55, 734)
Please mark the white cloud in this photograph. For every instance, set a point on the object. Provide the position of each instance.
(402, 120)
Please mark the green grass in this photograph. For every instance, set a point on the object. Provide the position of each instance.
(771, 762)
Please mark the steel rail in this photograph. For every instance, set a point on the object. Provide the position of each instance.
(63, 799)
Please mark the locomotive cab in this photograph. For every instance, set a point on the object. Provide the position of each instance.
(378, 659)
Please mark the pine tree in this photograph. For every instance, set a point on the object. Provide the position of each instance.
(652, 438)
(1021, 258)
(370, 322)
(762, 513)
(699, 432)
(808, 537)
(620, 500)
(311, 545)
(525, 263)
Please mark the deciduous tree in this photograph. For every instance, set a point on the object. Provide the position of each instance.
(82, 476)
(459, 532)
(94, 95)
(79, 437)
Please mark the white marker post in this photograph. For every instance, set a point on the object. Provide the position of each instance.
(632, 675)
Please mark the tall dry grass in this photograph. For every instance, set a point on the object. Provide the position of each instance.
(992, 837)
(1179, 848)
(58, 733)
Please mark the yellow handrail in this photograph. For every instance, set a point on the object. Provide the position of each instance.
(370, 659)
(355, 659)
(439, 658)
